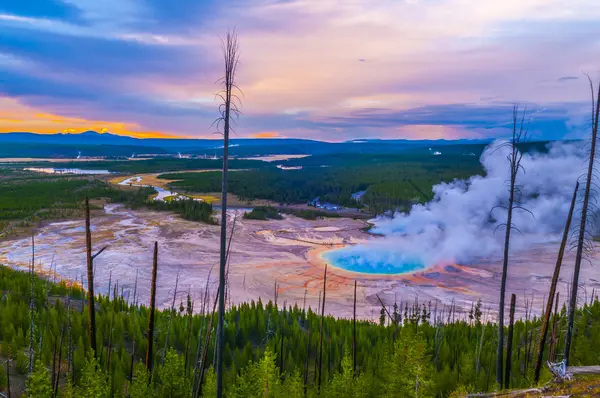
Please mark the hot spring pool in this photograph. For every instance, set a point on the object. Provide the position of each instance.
(387, 264)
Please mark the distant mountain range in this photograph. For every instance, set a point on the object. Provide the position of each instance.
(95, 138)
(91, 143)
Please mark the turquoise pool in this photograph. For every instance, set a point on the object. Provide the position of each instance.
(390, 264)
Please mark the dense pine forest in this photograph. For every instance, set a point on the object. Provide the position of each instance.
(416, 349)
(28, 198)
(389, 181)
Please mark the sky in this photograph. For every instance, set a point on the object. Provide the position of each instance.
(328, 70)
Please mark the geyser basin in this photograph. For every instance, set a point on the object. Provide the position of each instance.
(349, 259)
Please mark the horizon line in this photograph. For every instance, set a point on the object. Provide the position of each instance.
(168, 137)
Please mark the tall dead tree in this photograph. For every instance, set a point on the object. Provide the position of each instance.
(60, 349)
(135, 288)
(152, 310)
(90, 273)
(190, 312)
(31, 304)
(171, 315)
(306, 360)
(304, 303)
(200, 381)
(519, 134)
(53, 375)
(554, 332)
(581, 237)
(69, 332)
(8, 360)
(511, 324)
(133, 343)
(552, 293)
(229, 106)
(354, 333)
(321, 329)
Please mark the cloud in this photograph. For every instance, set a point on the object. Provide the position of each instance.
(266, 134)
(41, 9)
(17, 117)
(457, 120)
(566, 78)
(333, 70)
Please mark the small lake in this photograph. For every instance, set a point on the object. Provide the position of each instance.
(348, 259)
(52, 170)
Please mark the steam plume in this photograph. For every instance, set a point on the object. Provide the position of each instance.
(457, 226)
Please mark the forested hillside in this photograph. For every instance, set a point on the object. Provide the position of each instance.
(28, 198)
(390, 181)
(270, 350)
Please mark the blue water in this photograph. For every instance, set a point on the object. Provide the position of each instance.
(392, 265)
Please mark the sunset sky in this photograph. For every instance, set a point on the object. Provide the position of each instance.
(318, 69)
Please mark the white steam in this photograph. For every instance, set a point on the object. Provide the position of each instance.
(455, 227)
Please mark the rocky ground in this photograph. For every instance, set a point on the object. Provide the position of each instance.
(284, 251)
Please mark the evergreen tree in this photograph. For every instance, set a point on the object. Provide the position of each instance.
(93, 380)
(409, 370)
(141, 386)
(344, 384)
(478, 312)
(69, 390)
(173, 383)
(209, 389)
(38, 383)
(396, 315)
(259, 379)
(462, 352)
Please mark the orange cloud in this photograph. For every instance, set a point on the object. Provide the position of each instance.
(15, 116)
(266, 134)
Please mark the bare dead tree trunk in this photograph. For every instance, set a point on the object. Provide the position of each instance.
(306, 360)
(171, 315)
(109, 348)
(189, 334)
(135, 288)
(551, 294)
(230, 54)
(133, 345)
(8, 377)
(321, 329)
(304, 302)
(513, 298)
(205, 349)
(152, 310)
(53, 377)
(60, 348)
(478, 361)
(109, 284)
(31, 304)
(519, 133)
(281, 359)
(90, 271)
(528, 335)
(319, 302)
(583, 222)
(354, 333)
(553, 333)
(69, 333)
(205, 304)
